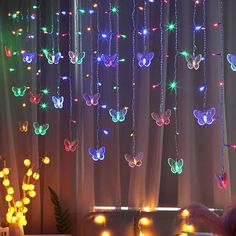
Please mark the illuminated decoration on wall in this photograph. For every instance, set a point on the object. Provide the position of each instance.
(162, 119)
(144, 59)
(35, 98)
(222, 180)
(17, 209)
(53, 58)
(40, 129)
(171, 27)
(134, 160)
(91, 99)
(28, 57)
(19, 91)
(70, 146)
(110, 60)
(97, 154)
(43, 105)
(24, 127)
(193, 62)
(118, 116)
(76, 58)
(58, 101)
(205, 117)
(176, 165)
(232, 61)
(8, 52)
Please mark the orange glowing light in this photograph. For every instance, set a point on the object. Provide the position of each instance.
(100, 219)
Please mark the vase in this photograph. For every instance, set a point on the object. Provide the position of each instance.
(15, 229)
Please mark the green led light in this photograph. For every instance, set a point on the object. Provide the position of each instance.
(12, 69)
(45, 91)
(114, 9)
(171, 27)
(45, 51)
(176, 165)
(82, 11)
(122, 60)
(43, 105)
(184, 53)
(172, 85)
(35, 7)
(123, 36)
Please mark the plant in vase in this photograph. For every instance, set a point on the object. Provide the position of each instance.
(17, 209)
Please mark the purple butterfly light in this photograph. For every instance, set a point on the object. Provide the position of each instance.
(91, 99)
(110, 60)
(144, 59)
(28, 57)
(97, 154)
(205, 117)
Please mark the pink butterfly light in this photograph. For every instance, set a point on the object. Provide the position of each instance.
(163, 118)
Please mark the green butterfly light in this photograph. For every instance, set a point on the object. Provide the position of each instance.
(176, 165)
(18, 91)
(40, 129)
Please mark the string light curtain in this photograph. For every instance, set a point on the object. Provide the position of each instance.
(95, 99)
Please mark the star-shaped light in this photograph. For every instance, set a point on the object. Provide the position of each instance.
(114, 10)
(44, 105)
(171, 27)
(172, 85)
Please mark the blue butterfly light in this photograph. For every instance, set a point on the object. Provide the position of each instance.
(58, 101)
(205, 117)
(118, 116)
(28, 57)
(232, 61)
(144, 59)
(97, 154)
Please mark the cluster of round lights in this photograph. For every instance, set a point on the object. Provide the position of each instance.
(17, 209)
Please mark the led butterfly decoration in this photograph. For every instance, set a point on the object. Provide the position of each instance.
(8, 52)
(232, 61)
(222, 180)
(118, 116)
(24, 127)
(28, 57)
(134, 160)
(19, 91)
(176, 165)
(110, 60)
(205, 117)
(97, 154)
(53, 58)
(91, 99)
(58, 101)
(144, 59)
(40, 129)
(76, 58)
(35, 98)
(163, 118)
(193, 62)
(70, 146)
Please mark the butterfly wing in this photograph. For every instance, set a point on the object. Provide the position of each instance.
(106, 60)
(50, 57)
(232, 60)
(93, 153)
(67, 145)
(44, 129)
(87, 99)
(148, 57)
(139, 158)
(130, 160)
(36, 128)
(141, 59)
(189, 59)
(179, 165)
(157, 118)
(57, 58)
(60, 101)
(80, 57)
(166, 117)
(55, 103)
(123, 112)
(197, 61)
(114, 60)
(199, 115)
(210, 115)
(113, 114)
(171, 163)
(24, 127)
(74, 145)
(101, 153)
(72, 57)
(96, 98)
